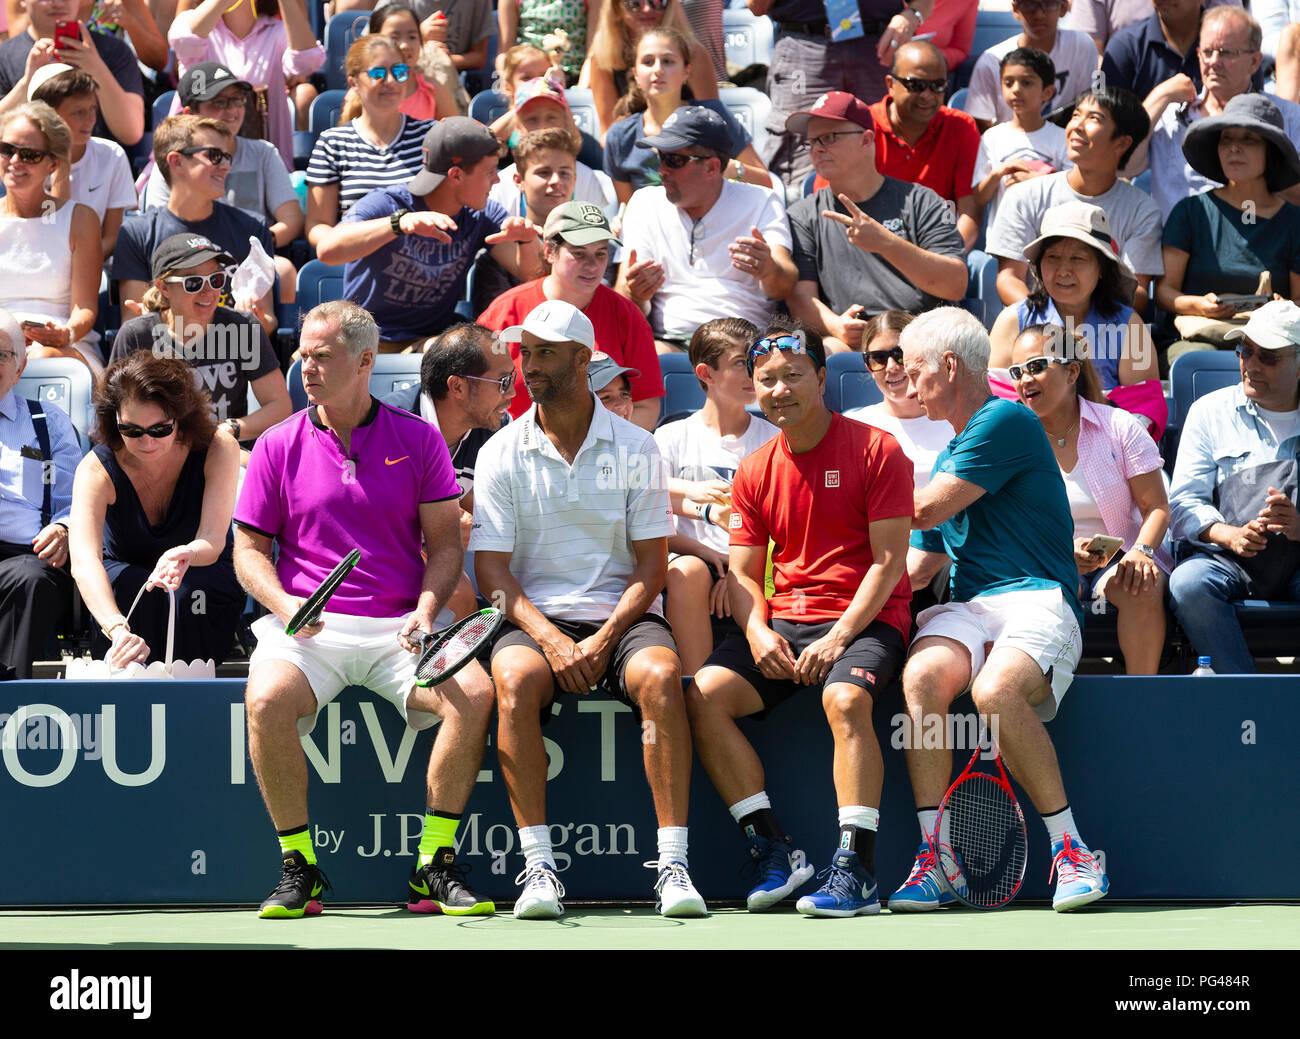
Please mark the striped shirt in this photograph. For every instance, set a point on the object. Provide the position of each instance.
(570, 529)
(343, 157)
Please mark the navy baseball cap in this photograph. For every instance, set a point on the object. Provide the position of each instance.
(692, 126)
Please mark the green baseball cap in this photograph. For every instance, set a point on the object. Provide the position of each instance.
(579, 223)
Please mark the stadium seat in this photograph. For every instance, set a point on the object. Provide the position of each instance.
(750, 107)
(341, 32)
(162, 105)
(682, 390)
(1143, 180)
(303, 143)
(488, 106)
(392, 372)
(990, 27)
(983, 286)
(65, 382)
(748, 39)
(1269, 626)
(848, 383)
(293, 380)
(583, 107)
(958, 99)
(809, 185)
(324, 111)
(476, 81)
(1194, 375)
(318, 283)
(316, 14)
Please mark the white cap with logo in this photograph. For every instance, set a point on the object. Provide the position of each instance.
(555, 321)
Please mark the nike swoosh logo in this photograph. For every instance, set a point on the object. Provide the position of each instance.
(316, 890)
(422, 889)
(93, 187)
(394, 461)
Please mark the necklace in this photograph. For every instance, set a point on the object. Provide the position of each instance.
(1060, 441)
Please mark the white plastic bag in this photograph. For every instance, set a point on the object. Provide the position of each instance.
(84, 668)
(254, 277)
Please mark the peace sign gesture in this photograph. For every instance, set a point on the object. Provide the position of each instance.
(863, 231)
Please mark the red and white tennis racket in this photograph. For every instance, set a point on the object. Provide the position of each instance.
(981, 845)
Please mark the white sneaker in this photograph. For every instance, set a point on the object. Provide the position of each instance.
(677, 895)
(541, 894)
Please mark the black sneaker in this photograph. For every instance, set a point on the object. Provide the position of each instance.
(440, 887)
(298, 892)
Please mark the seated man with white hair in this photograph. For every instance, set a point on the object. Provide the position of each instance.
(39, 453)
(1011, 634)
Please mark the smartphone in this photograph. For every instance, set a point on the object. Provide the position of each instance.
(1103, 545)
(66, 31)
(1243, 302)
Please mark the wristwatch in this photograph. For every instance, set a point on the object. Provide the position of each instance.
(233, 425)
(396, 221)
(1146, 550)
(907, 9)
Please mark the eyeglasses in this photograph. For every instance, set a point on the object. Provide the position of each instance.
(878, 360)
(222, 103)
(827, 140)
(214, 155)
(399, 72)
(157, 432)
(1268, 358)
(636, 5)
(676, 160)
(1035, 6)
(920, 86)
(1210, 53)
(193, 283)
(795, 343)
(1033, 366)
(27, 156)
(505, 384)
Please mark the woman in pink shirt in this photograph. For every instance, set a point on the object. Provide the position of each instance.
(251, 40)
(1112, 473)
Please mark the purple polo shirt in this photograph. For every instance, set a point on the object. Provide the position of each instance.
(319, 504)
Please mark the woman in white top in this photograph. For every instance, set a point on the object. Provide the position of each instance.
(50, 259)
(1112, 473)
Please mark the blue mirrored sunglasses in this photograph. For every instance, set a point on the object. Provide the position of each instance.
(793, 342)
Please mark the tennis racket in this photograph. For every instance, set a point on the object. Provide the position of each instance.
(309, 612)
(445, 652)
(981, 845)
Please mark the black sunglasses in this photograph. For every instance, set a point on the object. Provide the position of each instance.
(27, 156)
(635, 5)
(504, 384)
(878, 360)
(675, 160)
(214, 155)
(156, 432)
(1034, 366)
(920, 86)
(1268, 358)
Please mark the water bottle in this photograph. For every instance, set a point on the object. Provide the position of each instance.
(1202, 667)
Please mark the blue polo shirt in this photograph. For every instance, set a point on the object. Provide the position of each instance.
(1139, 58)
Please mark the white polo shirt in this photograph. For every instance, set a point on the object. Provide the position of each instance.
(570, 529)
(700, 283)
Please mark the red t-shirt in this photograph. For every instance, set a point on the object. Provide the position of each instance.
(621, 331)
(816, 507)
(943, 159)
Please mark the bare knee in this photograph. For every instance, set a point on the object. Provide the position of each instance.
(277, 700)
(848, 707)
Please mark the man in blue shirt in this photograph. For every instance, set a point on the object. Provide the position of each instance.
(38, 457)
(408, 250)
(1011, 635)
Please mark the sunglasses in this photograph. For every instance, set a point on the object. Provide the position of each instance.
(1034, 6)
(1033, 366)
(134, 432)
(636, 5)
(193, 283)
(214, 155)
(27, 156)
(878, 360)
(399, 72)
(675, 160)
(1268, 358)
(794, 343)
(505, 384)
(920, 86)
(220, 104)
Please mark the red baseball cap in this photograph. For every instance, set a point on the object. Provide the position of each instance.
(837, 104)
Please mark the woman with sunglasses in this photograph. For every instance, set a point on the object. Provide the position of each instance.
(267, 43)
(608, 69)
(662, 69)
(427, 96)
(380, 148)
(229, 351)
(1113, 478)
(151, 508)
(50, 254)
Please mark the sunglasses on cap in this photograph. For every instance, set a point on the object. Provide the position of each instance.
(878, 360)
(399, 72)
(1033, 366)
(1268, 358)
(920, 86)
(505, 384)
(193, 283)
(133, 432)
(791, 342)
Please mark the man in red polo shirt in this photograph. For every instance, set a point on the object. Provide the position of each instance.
(920, 140)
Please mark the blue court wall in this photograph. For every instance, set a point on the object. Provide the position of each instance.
(1180, 782)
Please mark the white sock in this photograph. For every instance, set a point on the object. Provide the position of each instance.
(926, 817)
(535, 843)
(672, 845)
(750, 805)
(861, 816)
(1061, 823)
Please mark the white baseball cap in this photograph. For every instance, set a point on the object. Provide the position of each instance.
(555, 321)
(1274, 326)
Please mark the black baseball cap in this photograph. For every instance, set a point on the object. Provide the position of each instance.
(204, 81)
(182, 251)
(454, 141)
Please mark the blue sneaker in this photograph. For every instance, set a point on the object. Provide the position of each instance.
(1079, 879)
(924, 888)
(849, 889)
(782, 871)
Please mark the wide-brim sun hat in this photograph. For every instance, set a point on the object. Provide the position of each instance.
(1085, 223)
(1253, 112)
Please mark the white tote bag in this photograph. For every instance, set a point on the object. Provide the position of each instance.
(83, 668)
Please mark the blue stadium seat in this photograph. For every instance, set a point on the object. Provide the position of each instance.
(809, 185)
(341, 32)
(303, 143)
(583, 107)
(392, 372)
(297, 395)
(316, 14)
(682, 390)
(65, 382)
(1143, 180)
(324, 111)
(1196, 374)
(162, 105)
(848, 383)
(488, 106)
(958, 99)
(748, 40)
(990, 27)
(750, 107)
(475, 81)
(983, 285)
(318, 283)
